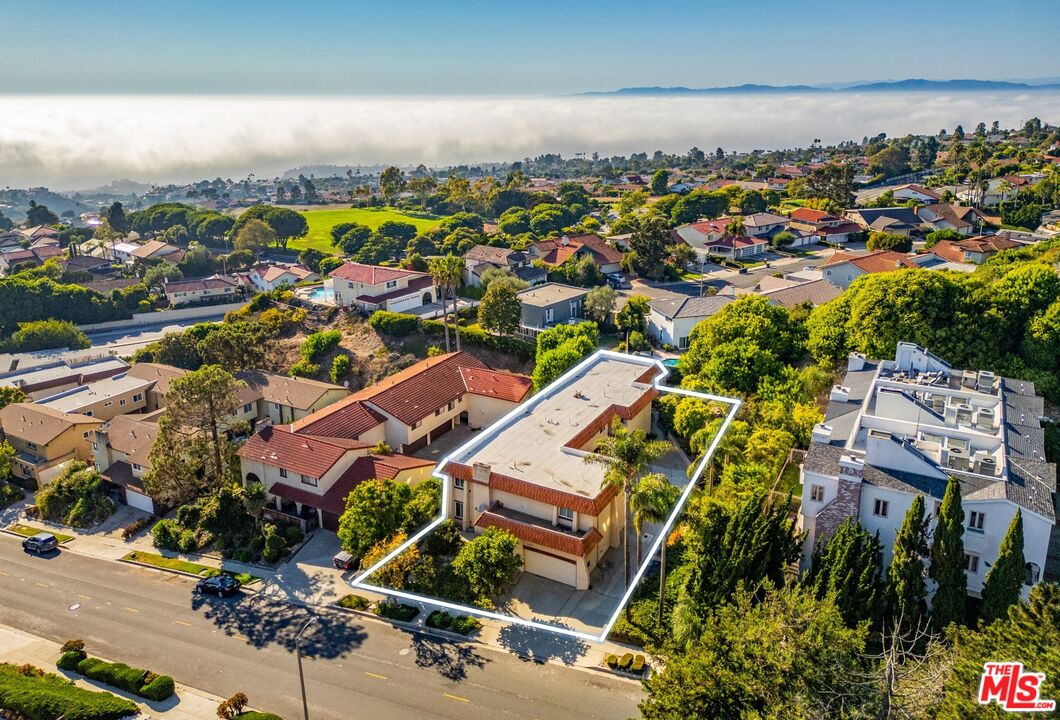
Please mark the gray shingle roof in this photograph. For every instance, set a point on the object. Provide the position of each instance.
(683, 307)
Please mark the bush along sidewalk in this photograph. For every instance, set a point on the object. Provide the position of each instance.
(146, 684)
(32, 693)
(627, 663)
(459, 624)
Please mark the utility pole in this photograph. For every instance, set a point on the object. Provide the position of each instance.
(298, 653)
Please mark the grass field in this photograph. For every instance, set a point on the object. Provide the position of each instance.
(165, 563)
(30, 531)
(321, 222)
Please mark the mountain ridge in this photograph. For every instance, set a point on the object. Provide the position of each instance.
(907, 85)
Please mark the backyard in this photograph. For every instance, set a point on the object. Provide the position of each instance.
(321, 222)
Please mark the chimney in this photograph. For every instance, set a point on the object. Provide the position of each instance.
(480, 473)
(852, 467)
(855, 362)
(821, 434)
(840, 393)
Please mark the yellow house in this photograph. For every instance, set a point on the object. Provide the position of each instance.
(45, 439)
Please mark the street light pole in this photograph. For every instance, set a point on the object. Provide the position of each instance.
(298, 653)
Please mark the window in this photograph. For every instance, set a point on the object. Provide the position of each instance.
(971, 563)
(439, 411)
(391, 284)
(136, 467)
(550, 315)
(458, 483)
(817, 493)
(31, 446)
(682, 343)
(566, 514)
(95, 447)
(121, 403)
(108, 403)
(451, 405)
(458, 510)
(879, 507)
(138, 397)
(1034, 573)
(283, 473)
(88, 413)
(84, 435)
(416, 424)
(575, 308)
(975, 520)
(246, 408)
(306, 480)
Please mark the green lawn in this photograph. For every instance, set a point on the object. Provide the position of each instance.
(165, 563)
(29, 531)
(321, 222)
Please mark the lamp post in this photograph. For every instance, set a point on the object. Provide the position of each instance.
(298, 653)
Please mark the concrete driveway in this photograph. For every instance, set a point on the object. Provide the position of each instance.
(444, 445)
(309, 577)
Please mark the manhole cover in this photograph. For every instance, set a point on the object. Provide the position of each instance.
(403, 651)
(75, 606)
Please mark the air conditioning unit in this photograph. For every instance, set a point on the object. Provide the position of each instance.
(986, 381)
(987, 466)
(958, 460)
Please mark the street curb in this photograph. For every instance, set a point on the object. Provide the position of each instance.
(63, 544)
(425, 629)
(149, 566)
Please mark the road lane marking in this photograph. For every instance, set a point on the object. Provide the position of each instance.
(181, 622)
(456, 697)
(132, 609)
(4, 573)
(375, 675)
(84, 597)
(244, 638)
(40, 584)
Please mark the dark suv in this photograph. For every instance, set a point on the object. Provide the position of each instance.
(40, 543)
(221, 585)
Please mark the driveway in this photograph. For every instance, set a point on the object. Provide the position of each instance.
(309, 578)
(444, 445)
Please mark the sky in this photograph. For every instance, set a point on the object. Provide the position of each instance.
(439, 47)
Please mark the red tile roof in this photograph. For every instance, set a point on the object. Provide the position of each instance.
(556, 539)
(556, 251)
(711, 226)
(841, 229)
(730, 241)
(366, 468)
(954, 250)
(371, 274)
(340, 420)
(874, 262)
(811, 215)
(496, 383)
(279, 447)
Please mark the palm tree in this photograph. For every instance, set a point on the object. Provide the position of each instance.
(440, 276)
(625, 453)
(452, 268)
(255, 500)
(652, 501)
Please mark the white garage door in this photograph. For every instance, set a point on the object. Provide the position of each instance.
(551, 567)
(138, 500)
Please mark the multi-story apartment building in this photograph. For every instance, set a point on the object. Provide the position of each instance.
(527, 474)
(103, 399)
(46, 439)
(900, 428)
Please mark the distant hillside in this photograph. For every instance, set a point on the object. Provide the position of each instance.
(911, 85)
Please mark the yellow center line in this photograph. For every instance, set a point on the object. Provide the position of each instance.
(132, 609)
(375, 675)
(41, 585)
(456, 697)
(244, 638)
(4, 573)
(181, 622)
(84, 597)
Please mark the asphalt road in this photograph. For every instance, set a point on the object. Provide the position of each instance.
(354, 668)
(144, 334)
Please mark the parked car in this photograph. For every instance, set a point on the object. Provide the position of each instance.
(221, 585)
(40, 543)
(617, 281)
(344, 561)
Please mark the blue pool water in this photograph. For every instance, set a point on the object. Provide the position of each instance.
(672, 362)
(320, 294)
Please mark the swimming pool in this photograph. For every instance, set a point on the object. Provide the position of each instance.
(321, 294)
(672, 362)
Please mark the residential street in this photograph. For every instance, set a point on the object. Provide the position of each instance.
(355, 667)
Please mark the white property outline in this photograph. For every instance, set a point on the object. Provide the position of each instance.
(360, 580)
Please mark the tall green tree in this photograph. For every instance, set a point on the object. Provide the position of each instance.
(948, 561)
(375, 511)
(659, 182)
(625, 454)
(652, 502)
(906, 588)
(40, 215)
(200, 405)
(391, 182)
(849, 565)
(1005, 579)
(500, 310)
(488, 564)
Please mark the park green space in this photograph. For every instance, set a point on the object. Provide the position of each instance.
(321, 221)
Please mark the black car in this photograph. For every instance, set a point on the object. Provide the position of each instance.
(221, 585)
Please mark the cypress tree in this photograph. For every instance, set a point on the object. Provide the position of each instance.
(1005, 580)
(947, 560)
(849, 565)
(905, 576)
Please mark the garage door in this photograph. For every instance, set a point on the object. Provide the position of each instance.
(139, 500)
(550, 566)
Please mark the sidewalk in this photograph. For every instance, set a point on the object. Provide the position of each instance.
(188, 703)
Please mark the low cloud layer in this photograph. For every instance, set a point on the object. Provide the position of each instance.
(77, 142)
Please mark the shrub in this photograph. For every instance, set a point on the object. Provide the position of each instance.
(465, 625)
(10, 494)
(638, 664)
(70, 659)
(625, 661)
(134, 527)
(396, 611)
(340, 368)
(320, 343)
(72, 645)
(304, 368)
(439, 619)
(159, 688)
(480, 338)
(233, 706)
(293, 535)
(37, 695)
(171, 535)
(354, 602)
(77, 497)
(612, 660)
(392, 323)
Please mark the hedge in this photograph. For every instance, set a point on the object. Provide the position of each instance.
(354, 602)
(144, 683)
(521, 349)
(37, 695)
(255, 715)
(460, 624)
(392, 323)
(404, 613)
(320, 343)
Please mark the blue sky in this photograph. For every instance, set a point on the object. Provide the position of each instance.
(502, 46)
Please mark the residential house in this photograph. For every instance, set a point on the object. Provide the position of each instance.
(997, 190)
(822, 226)
(548, 305)
(267, 277)
(813, 293)
(735, 247)
(123, 251)
(948, 216)
(50, 377)
(45, 439)
(481, 258)
(901, 193)
(528, 475)
(285, 399)
(557, 251)
(893, 220)
(899, 428)
(30, 256)
(843, 268)
(974, 250)
(212, 289)
(156, 251)
(416, 406)
(670, 320)
(764, 224)
(370, 287)
(121, 450)
(103, 399)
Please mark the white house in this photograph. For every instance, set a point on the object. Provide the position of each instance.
(372, 287)
(899, 428)
(269, 277)
(671, 319)
(198, 290)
